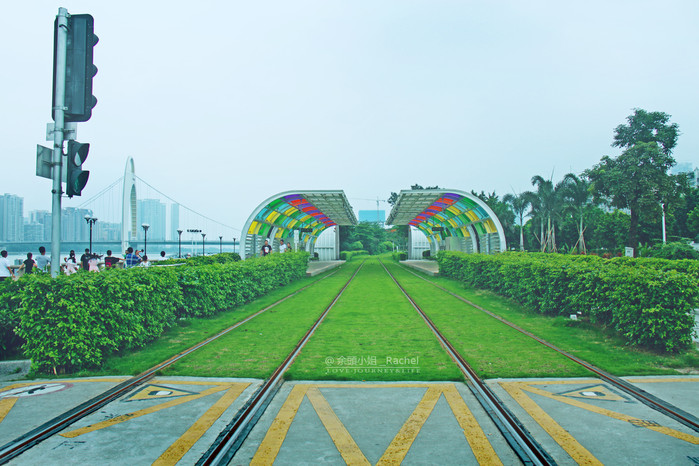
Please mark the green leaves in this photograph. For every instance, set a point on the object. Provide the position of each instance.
(74, 322)
(648, 301)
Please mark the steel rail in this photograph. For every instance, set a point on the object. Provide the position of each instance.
(235, 433)
(644, 397)
(26, 441)
(521, 441)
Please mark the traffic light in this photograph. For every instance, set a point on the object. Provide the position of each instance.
(80, 69)
(76, 177)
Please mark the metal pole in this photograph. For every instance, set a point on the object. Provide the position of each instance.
(59, 123)
(203, 243)
(662, 206)
(179, 243)
(220, 244)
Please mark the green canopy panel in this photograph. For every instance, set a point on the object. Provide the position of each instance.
(450, 219)
(297, 217)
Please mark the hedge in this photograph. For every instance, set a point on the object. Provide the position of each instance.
(650, 302)
(74, 322)
(348, 255)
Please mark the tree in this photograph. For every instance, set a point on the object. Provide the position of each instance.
(576, 192)
(520, 203)
(547, 204)
(502, 212)
(638, 179)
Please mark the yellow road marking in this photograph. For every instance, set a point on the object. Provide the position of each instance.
(614, 415)
(6, 405)
(480, 445)
(576, 451)
(274, 438)
(178, 449)
(269, 448)
(341, 438)
(143, 412)
(399, 447)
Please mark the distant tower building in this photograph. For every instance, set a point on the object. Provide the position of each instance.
(11, 218)
(373, 216)
(152, 212)
(34, 232)
(43, 218)
(174, 221)
(73, 224)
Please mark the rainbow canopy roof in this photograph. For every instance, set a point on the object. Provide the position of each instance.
(309, 211)
(442, 213)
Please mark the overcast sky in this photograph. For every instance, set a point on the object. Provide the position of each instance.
(223, 104)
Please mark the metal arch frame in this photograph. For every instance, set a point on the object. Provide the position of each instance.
(306, 240)
(422, 219)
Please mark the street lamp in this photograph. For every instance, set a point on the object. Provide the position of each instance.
(233, 245)
(91, 221)
(203, 244)
(220, 244)
(145, 227)
(179, 243)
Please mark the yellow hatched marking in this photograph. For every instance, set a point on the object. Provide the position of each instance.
(269, 448)
(142, 412)
(618, 416)
(480, 445)
(576, 451)
(342, 439)
(399, 447)
(178, 449)
(6, 405)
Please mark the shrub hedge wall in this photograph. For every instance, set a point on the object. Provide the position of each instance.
(74, 322)
(648, 301)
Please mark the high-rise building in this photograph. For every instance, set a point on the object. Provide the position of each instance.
(43, 218)
(152, 212)
(73, 224)
(174, 221)
(34, 232)
(11, 218)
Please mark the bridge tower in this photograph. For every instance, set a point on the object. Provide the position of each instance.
(129, 219)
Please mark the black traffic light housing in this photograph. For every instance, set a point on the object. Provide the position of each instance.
(80, 69)
(76, 177)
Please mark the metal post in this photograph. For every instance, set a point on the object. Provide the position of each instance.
(220, 244)
(59, 121)
(233, 245)
(179, 243)
(145, 227)
(203, 244)
(662, 206)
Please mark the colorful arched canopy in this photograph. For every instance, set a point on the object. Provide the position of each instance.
(442, 214)
(297, 216)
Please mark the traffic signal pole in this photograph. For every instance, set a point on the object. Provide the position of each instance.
(59, 124)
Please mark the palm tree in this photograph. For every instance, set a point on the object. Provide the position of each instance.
(576, 191)
(548, 203)
(520, 203)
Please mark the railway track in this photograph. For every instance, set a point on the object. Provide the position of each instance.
(26, 441)
(644, 397)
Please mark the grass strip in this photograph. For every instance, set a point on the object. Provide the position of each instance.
(591, 343)
(189, 332)
(256, 348)
(373, 333)
(490, 347)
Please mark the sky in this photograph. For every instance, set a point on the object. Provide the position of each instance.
(223, 104)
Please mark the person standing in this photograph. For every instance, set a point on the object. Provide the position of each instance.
(266, 248)
(131, 259)
(282, 246)
(28, 265)
(5, 270)
(85, 260)
(111, 261)
(42, 260)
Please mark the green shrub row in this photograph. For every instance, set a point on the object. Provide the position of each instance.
(348, 255)
(223, 258)
(648, 301)
(74, 322)
(400, 256)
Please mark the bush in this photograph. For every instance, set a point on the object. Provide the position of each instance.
(74, 322)
(348, 255)
(648, 301)
(400, 256)
(675, 250)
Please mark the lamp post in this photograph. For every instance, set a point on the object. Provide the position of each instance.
(233, 245)
(203, 244)
(179, 243)
(220, 244)
(90, 221)
(145, 227)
